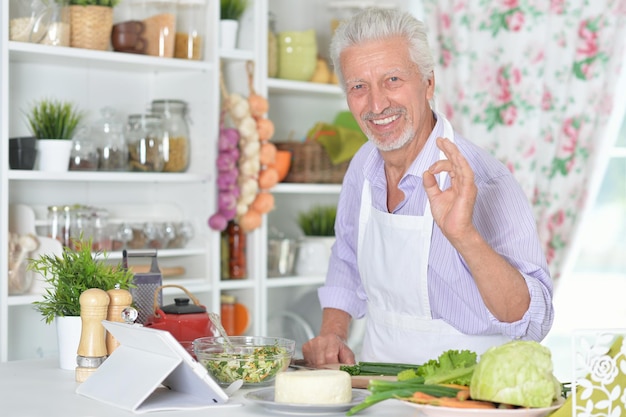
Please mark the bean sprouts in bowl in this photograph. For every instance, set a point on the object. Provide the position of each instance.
(254, 359)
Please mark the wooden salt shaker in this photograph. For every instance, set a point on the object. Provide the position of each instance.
(92, 349)
(119, 300)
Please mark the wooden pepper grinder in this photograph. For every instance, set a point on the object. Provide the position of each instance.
(119, 300)
(92, 350)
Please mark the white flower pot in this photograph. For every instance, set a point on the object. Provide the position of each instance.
(313, 255)
(68, 336)
(54, 154)
(228, 34)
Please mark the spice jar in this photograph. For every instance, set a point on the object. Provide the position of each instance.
(108, 134)
(236, 251)
(190, 29)
(175, 133)
(145, 143)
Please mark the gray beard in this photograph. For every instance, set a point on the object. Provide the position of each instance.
(396, 144)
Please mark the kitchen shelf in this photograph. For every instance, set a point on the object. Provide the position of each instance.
(102, 60)
(301, 188)
(279, 86)
(295, 281)
(99, 176)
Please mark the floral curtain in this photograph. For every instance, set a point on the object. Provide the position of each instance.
(533, 81)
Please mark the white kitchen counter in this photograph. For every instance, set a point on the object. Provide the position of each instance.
(39, 388)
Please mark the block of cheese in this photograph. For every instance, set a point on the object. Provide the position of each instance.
(320, 386)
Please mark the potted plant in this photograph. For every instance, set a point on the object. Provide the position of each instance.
(318, 226)
(53, 123)
(66, 277)
(230, 13)
(91, 23)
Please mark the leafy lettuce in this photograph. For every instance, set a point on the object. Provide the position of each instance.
(452, 367)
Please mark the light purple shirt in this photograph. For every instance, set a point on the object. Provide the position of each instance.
(502, 215)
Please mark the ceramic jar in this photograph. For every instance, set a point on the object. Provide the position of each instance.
(297, 55)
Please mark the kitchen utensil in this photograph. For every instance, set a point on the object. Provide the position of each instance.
(217, 322)
(183, 320)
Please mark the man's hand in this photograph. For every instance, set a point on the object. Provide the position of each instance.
(330, 345)
(453, 208)
(329, 348)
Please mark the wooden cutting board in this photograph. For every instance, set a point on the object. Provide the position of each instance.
(361, 381)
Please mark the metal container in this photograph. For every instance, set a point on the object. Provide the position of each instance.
(281, 256)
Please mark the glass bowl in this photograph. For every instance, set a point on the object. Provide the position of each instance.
(254, 359)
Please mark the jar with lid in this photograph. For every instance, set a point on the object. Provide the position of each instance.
(160, 27)
(176, 147)
(145, 143)
(108, 133)
(40, 21)
(190, 29)
(84, 155)
(227, 312)
(55, 223)
(81, 229)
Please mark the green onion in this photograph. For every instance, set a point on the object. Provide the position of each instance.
(377, 368)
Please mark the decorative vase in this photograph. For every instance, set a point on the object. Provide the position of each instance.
(68, 337)
(313, 255)
(90, 27)
(228, 33)
(54, 154)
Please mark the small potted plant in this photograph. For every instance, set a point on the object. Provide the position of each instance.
(318, 226)
(230, 13)
(53, 122)
(92, 23)
(66, 277)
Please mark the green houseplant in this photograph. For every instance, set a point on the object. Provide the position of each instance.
(318, 221)
(53, 122)
(232, 9)
(53, 119)
(72, 273)
(318, 226)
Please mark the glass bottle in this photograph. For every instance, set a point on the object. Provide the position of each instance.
(108, 134)
(145, 143)
(272, 47)
(176, 147)
(236, 250)
(190, 29)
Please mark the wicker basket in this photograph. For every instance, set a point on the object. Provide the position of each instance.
(90, 27)
(311, 164)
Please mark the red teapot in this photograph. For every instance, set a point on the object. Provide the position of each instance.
(185, 321)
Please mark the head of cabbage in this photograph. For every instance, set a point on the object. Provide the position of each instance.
(518, 373)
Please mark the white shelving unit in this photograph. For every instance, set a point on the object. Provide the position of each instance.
(128, 82)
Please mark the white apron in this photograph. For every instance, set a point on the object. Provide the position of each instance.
(393, 262)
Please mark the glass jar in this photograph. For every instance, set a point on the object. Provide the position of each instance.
(38, 21)
(108, 134)
(55, 223)
(145, 143)
(227, 312)
(190, 29)
(84, 155)
(127, 34)
(102, 239)
(160, 27)
(81, 229)
(175, 133)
